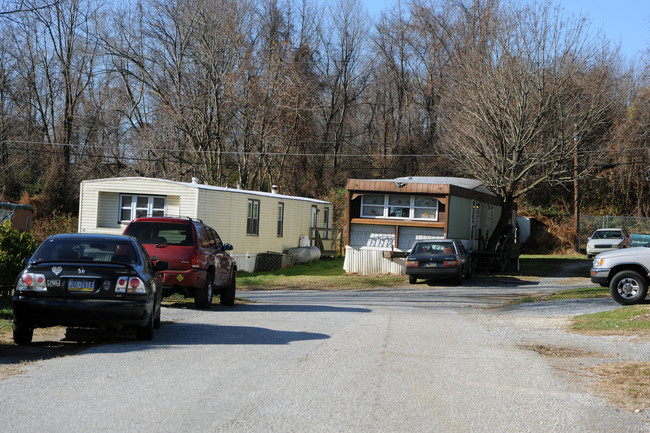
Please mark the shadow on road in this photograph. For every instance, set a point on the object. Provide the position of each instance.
(171, 334)
(274, 308)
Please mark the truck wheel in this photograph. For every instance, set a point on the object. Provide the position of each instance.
(22, 334)
(628, 287)
(227, 296)
(203, 295)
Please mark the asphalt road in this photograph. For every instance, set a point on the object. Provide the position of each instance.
(416, 359)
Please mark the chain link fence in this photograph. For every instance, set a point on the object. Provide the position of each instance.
(634, 225)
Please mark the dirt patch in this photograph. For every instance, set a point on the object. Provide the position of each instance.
(47, 343)
(562, 352)
(637, 334)
(624, 384)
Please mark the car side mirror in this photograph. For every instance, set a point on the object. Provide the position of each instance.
(161, 265)
(227, 247)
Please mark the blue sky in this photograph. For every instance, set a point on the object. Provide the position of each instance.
(623, 21)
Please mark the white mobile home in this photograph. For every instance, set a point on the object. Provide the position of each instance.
(388, 215)
(253, 222)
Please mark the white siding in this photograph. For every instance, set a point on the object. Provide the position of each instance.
(108, 210)
(371, 261)
(224, 209)
(99, 201)
(227, 212)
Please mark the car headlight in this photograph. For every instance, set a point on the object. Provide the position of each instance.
(598, 263)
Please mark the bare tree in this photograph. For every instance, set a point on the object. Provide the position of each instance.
(528, 88)
(177, 59)
(343, 69)
(57, 54)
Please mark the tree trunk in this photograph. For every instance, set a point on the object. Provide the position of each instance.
(505, 219)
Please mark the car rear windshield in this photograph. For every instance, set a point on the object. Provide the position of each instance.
(153, 232)
(607, 234)
(84, 250)
(434, 248)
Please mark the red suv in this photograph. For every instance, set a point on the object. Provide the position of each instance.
(198, 260)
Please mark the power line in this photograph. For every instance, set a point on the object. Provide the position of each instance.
(268, 153)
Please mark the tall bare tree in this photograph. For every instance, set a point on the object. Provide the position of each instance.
(343, 69)
(178, 58)
(529, 87)
(57, 61)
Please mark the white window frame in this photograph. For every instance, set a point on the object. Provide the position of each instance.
(410, 203)
(253, 218)
(132, 207)
(280, 219)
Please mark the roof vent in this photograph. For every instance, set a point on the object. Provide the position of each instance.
(195, 180)
(274, 189)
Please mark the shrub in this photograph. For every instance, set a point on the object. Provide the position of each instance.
(14, 248)
(46, 226)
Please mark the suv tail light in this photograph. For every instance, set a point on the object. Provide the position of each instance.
(195, 260)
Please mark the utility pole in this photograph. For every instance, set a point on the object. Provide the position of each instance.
(576, 195)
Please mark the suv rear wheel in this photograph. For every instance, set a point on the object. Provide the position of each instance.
(227, 296)
(203, 295)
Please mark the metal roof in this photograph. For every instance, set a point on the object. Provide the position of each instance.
(473, 184)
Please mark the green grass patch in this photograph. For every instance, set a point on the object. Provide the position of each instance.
(322, 275)
(633, 317)
(552, 265)
(6, 314)
(581, 293)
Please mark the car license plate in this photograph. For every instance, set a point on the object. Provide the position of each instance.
(431, 265)
(81, 285)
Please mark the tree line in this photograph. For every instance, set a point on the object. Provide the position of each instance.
(306, 94)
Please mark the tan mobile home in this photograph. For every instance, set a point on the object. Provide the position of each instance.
(389, 215)
(253, 222)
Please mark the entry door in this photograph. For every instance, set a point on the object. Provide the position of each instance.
(314, 223)
(475, 225)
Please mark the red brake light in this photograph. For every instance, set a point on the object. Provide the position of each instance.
(28, 280)
(195, 260)
(136, 286)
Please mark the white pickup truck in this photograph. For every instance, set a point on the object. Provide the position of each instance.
(625, 271)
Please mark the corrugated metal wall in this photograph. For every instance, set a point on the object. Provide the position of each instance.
(371, 261)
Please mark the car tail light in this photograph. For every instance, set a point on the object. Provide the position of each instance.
(136, 285)
(449, 263)
(129, 285)
(31, 281)
(412, 263)
(195, 260)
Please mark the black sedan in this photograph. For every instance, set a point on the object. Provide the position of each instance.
(88, 280)
(433, 259)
